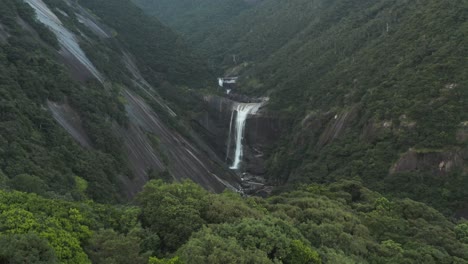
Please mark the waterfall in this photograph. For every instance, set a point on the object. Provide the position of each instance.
(229, 136)
(243, 110)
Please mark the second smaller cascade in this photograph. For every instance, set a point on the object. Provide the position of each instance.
(243, 111)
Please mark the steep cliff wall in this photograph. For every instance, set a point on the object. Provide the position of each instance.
(262, 131)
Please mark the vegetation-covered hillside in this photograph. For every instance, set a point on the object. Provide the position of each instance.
(369, 85)
(36, 153)
(376, 90)
(182, 223)
(195, 20)
(163, 54)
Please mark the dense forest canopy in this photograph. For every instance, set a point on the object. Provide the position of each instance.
(182, 223)
(367, 85)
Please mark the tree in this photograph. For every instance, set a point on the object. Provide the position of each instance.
(3, 180)
(461, 231)
(25, 248)
(109, 247)
(300, 253)
(230, 207)
(174, 260)
(173, 211)
(207, 247)
(28, 183)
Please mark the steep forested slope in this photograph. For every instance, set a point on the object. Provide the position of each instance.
(164, 54)
(195, 20)
(377, 89)
(36, 154)
(394, 81)
(79, 73)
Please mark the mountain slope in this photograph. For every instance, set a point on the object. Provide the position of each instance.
(163, 53)
(38, 156)
(66, 70)
(376, 89)
(195, 20)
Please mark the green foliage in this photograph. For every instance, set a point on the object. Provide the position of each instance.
(341, 223)
(3, 180)
(271, 236)
(63, 227)
(163, 53)
(155, 260)
(314, 224)
(210, 248)
(173, 211)
(302, 254)
(81, 186)
(26, 13)
(36, 154)
(322, 57)
(461, 231)
(25, 248)
(28, 183)
(55, 231)
(367, 228)
(230, 207)
(340, 59)
(107, 246)
(194, 19)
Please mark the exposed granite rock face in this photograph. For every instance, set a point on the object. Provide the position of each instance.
(373, 129)
(70, 120)
(462, 132)
(184, 159)
(322, 128)
(68, 40)
(3, 34)
(261, 132)
(337, 126)
(438, 162)
(213, 125)
(242, 98)
(182, 156)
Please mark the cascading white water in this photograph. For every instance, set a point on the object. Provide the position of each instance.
(243, 111)
(229, 136)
